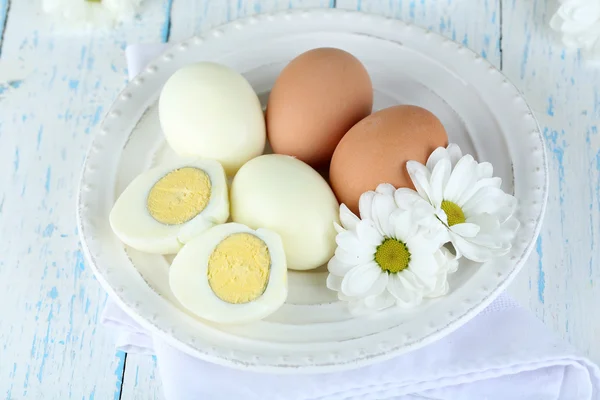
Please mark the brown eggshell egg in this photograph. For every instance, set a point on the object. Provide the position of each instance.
(377, 148)
(316, 99)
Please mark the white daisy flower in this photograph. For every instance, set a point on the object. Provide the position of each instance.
(578, 22)
(384, 257)
(93, 13)
(463, 200)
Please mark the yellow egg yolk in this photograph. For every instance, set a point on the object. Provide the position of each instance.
(238, 268)
(179, 196)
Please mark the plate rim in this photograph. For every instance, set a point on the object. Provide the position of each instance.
(227, 357)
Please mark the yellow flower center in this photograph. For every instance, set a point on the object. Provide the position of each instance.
(392, 255)
(453, 212)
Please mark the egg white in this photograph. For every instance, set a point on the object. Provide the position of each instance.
(188, 278)
(132, 223)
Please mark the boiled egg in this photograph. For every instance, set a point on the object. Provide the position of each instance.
(231, 274)
(286, 195)
(210, 110)
(167, 206)
(377, 148)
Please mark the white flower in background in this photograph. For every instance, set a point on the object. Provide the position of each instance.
(578, 21)
(462, 199)
(385, 258)
(92, 12)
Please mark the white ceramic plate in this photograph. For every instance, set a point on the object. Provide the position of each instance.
(312, 332)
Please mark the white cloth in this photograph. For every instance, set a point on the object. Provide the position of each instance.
(503, 353)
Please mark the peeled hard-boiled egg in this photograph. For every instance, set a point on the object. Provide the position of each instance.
(231, 274)
(168, 205)
(209, 110)
(377, 148)
(316, 99)
(287, 196)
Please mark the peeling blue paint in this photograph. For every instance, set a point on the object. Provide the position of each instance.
(48, 231)
(16, 160)
(525, 55)
(48, 178)
(97, 115)
(3, 15)
(119, 373)
(73, 84)
(39, 137)
(53, 293)
(541, 274)
(166, 28)
(550, 109)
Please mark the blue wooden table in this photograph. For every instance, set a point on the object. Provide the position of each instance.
(51, 343)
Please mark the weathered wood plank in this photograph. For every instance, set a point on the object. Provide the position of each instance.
(191, 17)
(141, 381)
(561, 282)
(475, 24)
(51, 344)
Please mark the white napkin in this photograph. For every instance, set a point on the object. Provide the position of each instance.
(503, 353)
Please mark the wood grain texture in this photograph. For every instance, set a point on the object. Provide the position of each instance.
(51, 343)
(475, 24)
(4, 5)
(191, 17)
(561, 281)
(141, 380)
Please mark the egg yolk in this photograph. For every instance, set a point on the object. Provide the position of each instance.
(179, 196)
(238, 268)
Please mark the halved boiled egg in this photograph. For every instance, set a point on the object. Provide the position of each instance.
(167, 206)
(231, 274)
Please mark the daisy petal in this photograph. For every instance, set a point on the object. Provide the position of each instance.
(407, 198)
(349, 242)
(368, 234)
(334, 282)
(465, 230)
(470, 250)
(420, 176)
(441, 153)
(383, 206)
(454, 152)
(360, 280)
(486, 200)
(385, 188)
(338, 268)
(365, 205)
(380, 301)
(447, 260)
(439, 179)
(405, 293)
(469, 192)
(423, 266)
(338, 228)
(352, 258)
(463, 176)
(370, 304)
(486, 222)
(441, 287)
(402, 226)
(509, 206)
(347, 218)
(378, 286)
(485, 170)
